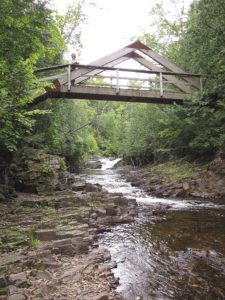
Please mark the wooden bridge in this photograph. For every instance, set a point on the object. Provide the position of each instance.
(157, 81)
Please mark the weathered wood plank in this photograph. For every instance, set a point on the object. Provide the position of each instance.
(169, 65)
(94, 72)
(154, 97)
(101, 62)
(152, 67)
(89, 91)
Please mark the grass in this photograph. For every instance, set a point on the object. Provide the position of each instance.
(34, 242)
(175, 170)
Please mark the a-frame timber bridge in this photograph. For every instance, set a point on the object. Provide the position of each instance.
(157, 81)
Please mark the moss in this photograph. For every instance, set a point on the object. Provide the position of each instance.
(175, 170)
(3, 291)
(46, 169)
(62, 165)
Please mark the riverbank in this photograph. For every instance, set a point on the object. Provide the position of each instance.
(49, 244)
(179, 179)
(65, 245)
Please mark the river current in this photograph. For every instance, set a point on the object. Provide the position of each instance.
(179, 254)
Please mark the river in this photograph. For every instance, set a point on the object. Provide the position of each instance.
(178, 254)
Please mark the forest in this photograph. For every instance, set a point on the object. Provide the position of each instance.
(111, 200)
(34, 36)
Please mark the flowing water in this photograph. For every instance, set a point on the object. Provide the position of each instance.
(179, 254)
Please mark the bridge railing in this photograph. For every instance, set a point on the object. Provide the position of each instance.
(150, 80)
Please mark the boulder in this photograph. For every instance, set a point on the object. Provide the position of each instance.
(93, 164)
(111, 211)
(37, 172)
(19, 279)
(93, 187)
(78, 186)
(121, 201)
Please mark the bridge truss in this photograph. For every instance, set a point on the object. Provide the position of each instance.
(156, 80)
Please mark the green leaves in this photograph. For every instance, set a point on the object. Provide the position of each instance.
(28, 33)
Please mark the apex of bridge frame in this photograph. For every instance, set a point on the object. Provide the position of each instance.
(140, 53)
(138, 45)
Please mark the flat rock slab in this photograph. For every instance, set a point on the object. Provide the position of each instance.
(102, 296)
(78, 186)
(46, 235)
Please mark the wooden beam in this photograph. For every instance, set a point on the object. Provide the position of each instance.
(100, 62)
(52, 77)
(106, 93)
(169, 65)
(96, 71)
(181, 86)
(167, 99)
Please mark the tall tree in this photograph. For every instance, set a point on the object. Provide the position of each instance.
(27, 29)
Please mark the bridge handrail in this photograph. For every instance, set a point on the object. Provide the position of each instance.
(116, 69)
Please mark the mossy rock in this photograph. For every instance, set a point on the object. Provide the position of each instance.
(40, 175)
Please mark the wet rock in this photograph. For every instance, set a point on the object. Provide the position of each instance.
(93, 187)
(93, 216)
(78, 186)
(111, 211)
(115, 219)
(121, 201)
(100, 211)
(132, 202)
(93, 164)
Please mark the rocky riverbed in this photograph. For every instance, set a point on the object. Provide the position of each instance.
(49, 244)
(205, 181)
(62, 243)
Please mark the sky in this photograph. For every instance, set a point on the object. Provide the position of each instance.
(112, 23)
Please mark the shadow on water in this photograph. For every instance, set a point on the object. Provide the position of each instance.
(179, 254)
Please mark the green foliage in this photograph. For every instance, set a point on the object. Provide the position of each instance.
(34, 242)
(70, 23)
(62, 165)
(66, 131)
(175, 170)
(46, 169)
(28, 34)
(196, 129)
(32, 36)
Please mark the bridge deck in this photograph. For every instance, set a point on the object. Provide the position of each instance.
(113, 94)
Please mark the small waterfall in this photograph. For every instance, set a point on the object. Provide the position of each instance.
(108, 163)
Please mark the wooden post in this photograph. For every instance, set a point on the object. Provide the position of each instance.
(117, 81)
(69, 77)
(161, 84)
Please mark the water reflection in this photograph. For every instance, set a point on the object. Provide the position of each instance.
(177, 255)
